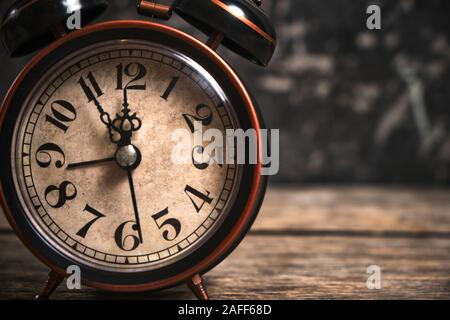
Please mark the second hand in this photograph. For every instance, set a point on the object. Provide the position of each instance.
(135, 207)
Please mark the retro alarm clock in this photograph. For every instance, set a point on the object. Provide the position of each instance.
(86, 139)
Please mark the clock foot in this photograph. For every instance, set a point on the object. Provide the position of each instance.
(198, 288)
(53, 281)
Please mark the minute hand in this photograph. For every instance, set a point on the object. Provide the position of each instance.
(124, 124)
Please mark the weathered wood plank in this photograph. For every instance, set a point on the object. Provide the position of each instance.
(3, 223)
(280, 267)
(352, 209)
(404, 231)
(356, 209)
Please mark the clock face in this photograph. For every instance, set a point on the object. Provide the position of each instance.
(93, 151)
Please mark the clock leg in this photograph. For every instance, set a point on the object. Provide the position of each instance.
(198, 288)
(53, 281)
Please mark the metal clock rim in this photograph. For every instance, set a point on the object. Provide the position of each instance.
(257, 188)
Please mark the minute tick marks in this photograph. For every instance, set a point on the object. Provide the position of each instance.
(129, 205)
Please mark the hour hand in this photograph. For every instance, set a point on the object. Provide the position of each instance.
(93, 91)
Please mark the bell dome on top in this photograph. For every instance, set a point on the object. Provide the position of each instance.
(30, 24)
(245, 27)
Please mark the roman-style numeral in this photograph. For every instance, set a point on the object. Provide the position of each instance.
(174, 223)
(97, 215)
(169, 89)
(62, 113)
(197, 194)
(91, 95)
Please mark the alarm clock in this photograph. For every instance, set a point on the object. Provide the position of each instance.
(86, 129)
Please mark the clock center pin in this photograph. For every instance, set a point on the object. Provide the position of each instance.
(128, 157)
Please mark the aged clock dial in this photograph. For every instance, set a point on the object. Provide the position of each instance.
(92, 156)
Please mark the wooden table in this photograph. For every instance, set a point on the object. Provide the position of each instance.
(307, 243)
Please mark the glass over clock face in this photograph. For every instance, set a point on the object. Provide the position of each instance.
(93, 156)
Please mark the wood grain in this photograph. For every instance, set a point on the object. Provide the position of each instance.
(310, 243)
(277, 267)
(361, 208)
(3, 223)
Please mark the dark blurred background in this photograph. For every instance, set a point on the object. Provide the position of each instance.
(352, 105)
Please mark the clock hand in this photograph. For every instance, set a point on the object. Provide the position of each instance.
(92, 92)
(91, 162)
(125, 123)
(137, 226)
(104, 116)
